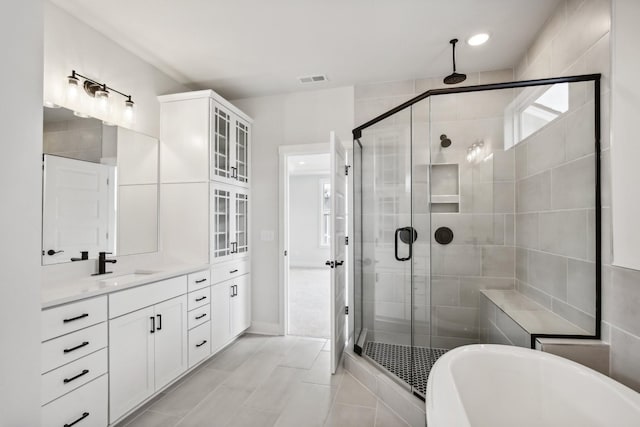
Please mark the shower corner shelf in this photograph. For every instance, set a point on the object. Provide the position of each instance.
(445, 198)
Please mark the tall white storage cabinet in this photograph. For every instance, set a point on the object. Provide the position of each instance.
(205, 158)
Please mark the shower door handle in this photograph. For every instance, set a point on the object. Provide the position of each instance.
(398, 231)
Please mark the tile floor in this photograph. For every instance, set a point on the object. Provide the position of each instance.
(309, 302)
(262, 381)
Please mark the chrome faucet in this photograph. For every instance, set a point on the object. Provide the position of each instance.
(102, 263)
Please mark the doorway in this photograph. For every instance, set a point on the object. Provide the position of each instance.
(308, 278)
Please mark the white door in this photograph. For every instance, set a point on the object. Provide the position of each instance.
(76, 209)
(338, 253)
(171, 340)
(220, 315)
(131, 357)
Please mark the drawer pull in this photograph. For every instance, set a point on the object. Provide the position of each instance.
(85, 415)
(201, 316)
(76, 318)
(201, 299)
(201, 280)
(69, 350)
(202, 343)
(68, 380)
(233, 271)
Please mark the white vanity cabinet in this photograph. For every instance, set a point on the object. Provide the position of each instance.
(148, 344)
(230, 302)
(74, 364)
(199, 317)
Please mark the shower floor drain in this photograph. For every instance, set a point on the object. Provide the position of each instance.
(397, 360)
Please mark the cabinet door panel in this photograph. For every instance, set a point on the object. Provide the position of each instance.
(241, 224)
(222, 223)
(131, 358)
(241, 305)
(170, 340)
(221, 144)
(241, 151)
(220, 316)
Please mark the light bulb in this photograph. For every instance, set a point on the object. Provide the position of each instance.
(102, 100)
(72, 87)
(128, 114)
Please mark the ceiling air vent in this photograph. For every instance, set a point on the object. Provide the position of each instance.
(313, 79)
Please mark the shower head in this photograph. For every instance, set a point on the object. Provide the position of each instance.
(454, 78)
(444, 141)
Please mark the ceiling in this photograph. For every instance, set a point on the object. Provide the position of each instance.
(244, 48)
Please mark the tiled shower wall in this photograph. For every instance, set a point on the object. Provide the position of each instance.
(555, 215)
(576, 41)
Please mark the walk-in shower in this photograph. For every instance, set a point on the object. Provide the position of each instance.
(492, 238)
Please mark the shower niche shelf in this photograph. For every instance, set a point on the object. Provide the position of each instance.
(445, 188)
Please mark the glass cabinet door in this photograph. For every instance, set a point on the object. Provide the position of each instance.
(221, 224)
(241, 172)
(220, 144)
(241, 245)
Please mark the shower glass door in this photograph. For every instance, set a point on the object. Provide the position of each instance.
(386, 243)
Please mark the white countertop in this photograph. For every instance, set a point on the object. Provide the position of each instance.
(62, 293)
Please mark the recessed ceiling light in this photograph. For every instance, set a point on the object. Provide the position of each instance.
(478, 39)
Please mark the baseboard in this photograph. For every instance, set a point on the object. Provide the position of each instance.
(265, 328)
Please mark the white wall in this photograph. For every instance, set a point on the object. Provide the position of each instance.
(288, 119)
(70, 44)
(305, 222)
(20, 178)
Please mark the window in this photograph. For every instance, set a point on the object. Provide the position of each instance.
(534, 109)
(325, 212)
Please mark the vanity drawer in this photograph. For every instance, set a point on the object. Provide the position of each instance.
(199, 343)
(198, 280)
(71, 317)
(229, 270)
(84, 407)
(68, 348)
(145, 295)
(75, 374)
(199, 298)
(199, 316)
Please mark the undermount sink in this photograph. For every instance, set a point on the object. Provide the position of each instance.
(127, 278)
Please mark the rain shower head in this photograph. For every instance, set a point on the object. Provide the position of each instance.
(454, 78)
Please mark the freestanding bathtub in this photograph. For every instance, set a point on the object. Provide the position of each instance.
(503, 386)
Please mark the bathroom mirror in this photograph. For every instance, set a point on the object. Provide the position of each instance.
(99, 189)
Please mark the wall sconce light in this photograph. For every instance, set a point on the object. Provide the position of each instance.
(100, 93)
(475, 151)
